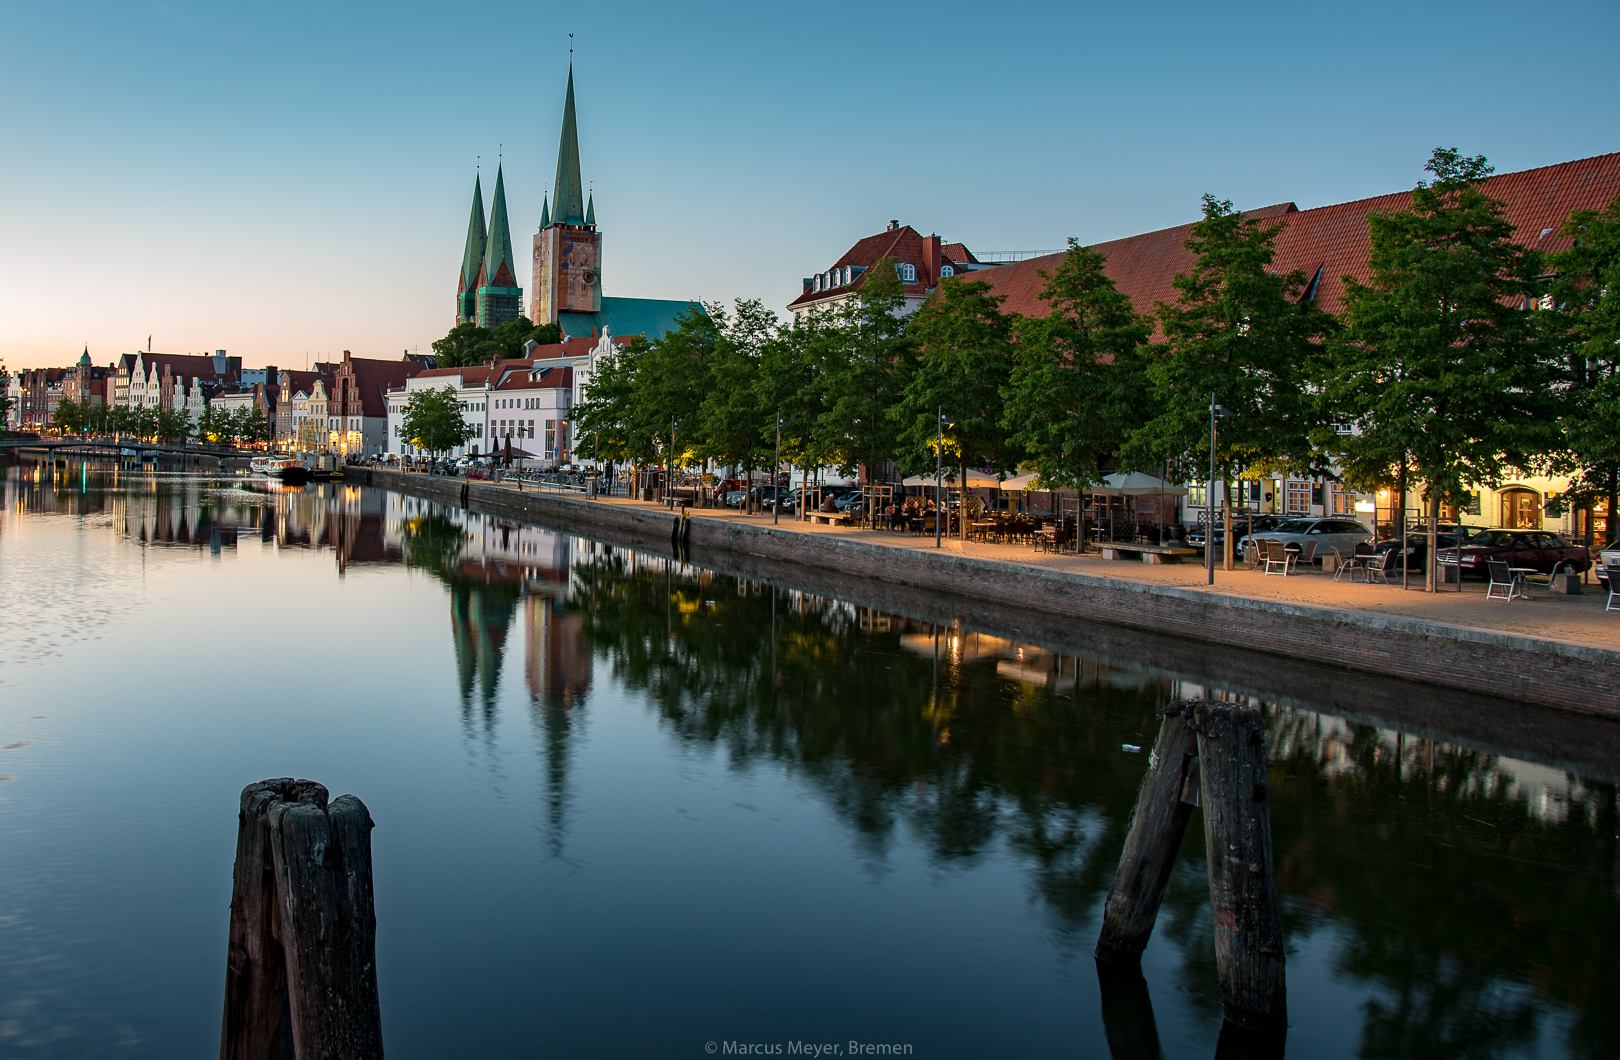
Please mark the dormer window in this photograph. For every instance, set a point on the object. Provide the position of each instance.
(946, 270)
(906, 271)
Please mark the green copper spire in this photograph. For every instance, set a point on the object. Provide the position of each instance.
(498, 249)
(545, 211)
(590, 210)
(84, 358)
(473, 256)
(570, 203)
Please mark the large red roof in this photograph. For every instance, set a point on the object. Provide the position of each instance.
(1331, 238)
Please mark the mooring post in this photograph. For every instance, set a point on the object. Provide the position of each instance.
(1127, 1012)
(1154, 836)
(1242, 879)
(301, 970)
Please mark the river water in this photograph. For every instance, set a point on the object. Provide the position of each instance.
(628, 806)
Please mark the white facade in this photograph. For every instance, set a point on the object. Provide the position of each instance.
(515, 401)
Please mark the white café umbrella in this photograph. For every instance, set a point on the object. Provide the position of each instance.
(1020, 482)
(1136, 484)
(975, 479)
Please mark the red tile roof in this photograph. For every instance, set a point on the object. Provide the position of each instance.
(903, 244)
(1332, 238)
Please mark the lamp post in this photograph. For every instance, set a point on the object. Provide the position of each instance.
(669, 466)
(776, 469)
(939, 475)
(1215, 411)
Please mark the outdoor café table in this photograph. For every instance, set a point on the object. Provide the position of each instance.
(982, 530)
(1046, 539)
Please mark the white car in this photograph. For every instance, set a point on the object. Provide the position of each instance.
(1328, 534)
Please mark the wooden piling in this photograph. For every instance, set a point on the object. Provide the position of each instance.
(1242, 881)
(301, 973)
(1154, 836)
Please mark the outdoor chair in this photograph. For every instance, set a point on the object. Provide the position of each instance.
(1383, 568)
(1278, 559)
(1505, 584)
(1307, 553)
(1343, 563)
(1547, 579)
(1614, 591)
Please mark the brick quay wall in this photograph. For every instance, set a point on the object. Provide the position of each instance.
(1389, 653)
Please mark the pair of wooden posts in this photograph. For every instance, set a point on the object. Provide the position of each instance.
(301, 969)
(1212, 754)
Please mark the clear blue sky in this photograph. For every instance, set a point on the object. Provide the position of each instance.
(283, 179)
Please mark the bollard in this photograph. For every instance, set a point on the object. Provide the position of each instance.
(301, 970)
(1242, 879)
(1212, 754)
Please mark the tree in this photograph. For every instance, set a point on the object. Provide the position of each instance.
(172, 424)
(433, 421)
(1440, 367)
(512, 336)
(466, 345)
(1587, 292)
(603, 417)
(1079, 384)
(252, 427)
(734, 426)
(864, 378)
(5, 398)
(68, 416)
(1244, 333)
(964, 361)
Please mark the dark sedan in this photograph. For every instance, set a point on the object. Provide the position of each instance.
(1529, 549)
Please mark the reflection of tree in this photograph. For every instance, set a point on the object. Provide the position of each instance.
(1462, 906)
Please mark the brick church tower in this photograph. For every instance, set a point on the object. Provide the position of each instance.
(568, 248)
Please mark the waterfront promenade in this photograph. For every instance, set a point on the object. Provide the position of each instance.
(1556, 651)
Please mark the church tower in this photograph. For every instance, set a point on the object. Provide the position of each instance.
(567, 274)
(472, 261)
(500, 299)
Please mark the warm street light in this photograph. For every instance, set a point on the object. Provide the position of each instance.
(1215, 412)
(939, 474)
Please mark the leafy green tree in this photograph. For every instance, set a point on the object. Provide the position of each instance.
(1587, 291)
(252, 427)
(514, 334)
(604, 415)
(433, 421)
(208, 423)
(964, 362)
(672, 379)
(734, 424)
(1079, 383)
(172, 424)
(790, 370)
(864, 378)
(1242, 332)
(1439, 365)
(68, 416)
(5, 398)
(466, 345)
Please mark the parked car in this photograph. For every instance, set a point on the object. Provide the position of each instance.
(1601, 570)
(1243, 526)
(1534, 549)
(1417, 543)
(1328, 534)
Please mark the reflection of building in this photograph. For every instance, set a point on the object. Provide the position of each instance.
(556, 666)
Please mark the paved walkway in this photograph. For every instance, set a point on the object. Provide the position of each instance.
(1573, 619)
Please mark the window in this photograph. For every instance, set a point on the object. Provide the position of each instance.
(906, 271)
(946, 270)
(1344, 501)
(1299, 497)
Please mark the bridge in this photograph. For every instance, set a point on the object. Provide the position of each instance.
(114, 447)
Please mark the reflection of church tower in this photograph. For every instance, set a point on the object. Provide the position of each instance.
(472, 260)
(556, 666)
(479, 619)
(568, 248)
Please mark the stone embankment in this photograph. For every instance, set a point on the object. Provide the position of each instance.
(1405, 650)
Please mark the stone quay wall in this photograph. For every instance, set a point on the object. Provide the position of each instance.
(1488, 663)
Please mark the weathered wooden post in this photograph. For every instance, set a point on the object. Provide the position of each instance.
(1157, 825)
(301, 969)
(1242, 880)
(1214, 754)
(1127, 1011)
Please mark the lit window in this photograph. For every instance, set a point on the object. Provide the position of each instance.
(946, 270)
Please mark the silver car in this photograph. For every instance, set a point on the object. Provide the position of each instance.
(1328, 534)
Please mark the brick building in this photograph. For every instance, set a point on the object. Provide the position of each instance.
(920, 262)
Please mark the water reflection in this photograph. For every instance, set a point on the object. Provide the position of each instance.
(1466, 900)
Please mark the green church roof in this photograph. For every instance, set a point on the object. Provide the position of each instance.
(84, 358)
(473, 256)
(570, 203)
(652, 317)
(545, 211)
(498, 250)
(590, 210)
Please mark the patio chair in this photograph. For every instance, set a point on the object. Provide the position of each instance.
(1505, 584)
(1343, 563)
(1389, 564)
(1614, 591)
(1307, 553)
(1547, 579)
(1278, 559)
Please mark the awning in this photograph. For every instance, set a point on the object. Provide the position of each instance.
(975, 480)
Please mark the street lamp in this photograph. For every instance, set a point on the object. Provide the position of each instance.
(1215, 412)
(776, 469)
(939, 474)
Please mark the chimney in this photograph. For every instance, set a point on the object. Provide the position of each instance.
(931, 259)
(893, 225)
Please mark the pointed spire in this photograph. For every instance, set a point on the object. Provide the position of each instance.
(84, 358)
(498, 248)
(473, 256)
(545, 211)
(590, 209)
(570, 203)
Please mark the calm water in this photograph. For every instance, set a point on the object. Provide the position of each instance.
(627, 807)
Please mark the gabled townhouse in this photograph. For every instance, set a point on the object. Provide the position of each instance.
(920, 262)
